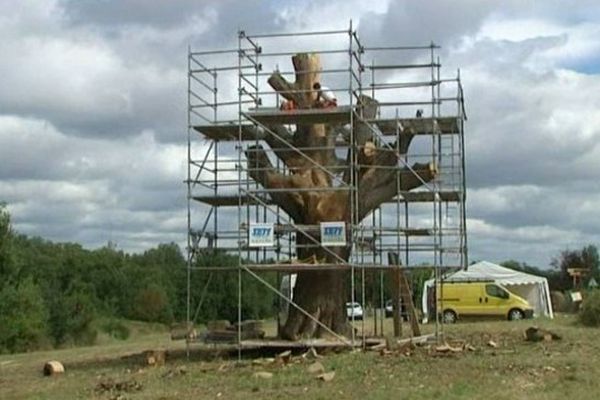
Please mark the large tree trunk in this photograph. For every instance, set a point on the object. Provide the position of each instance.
(323, 294)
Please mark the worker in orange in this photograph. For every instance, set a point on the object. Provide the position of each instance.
(287, 105)
(325, 97)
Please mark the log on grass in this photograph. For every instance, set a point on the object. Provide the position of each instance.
(52, 368)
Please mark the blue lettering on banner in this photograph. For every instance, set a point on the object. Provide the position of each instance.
(330, 231)
(333, 233)
(261, 231)
(260, 235)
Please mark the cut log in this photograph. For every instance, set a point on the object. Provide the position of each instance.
(250, 325)
(52, 368)
(327, 376)
(262, 375)
(183, 331)
(219, 324)
(231, 335)
(535, 334)
(315, 368)
(155, 358)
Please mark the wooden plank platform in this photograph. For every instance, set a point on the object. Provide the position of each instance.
(334, 115)
(281, 345)
(230, 200)
(418, 126)
(300, 267)
(405, 197)
(229, 132)
(315, 229)
(414, 126)
(294, 268)
(424, 197)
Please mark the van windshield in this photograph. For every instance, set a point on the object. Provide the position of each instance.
(496, 291)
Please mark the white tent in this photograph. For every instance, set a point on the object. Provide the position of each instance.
(532, 288)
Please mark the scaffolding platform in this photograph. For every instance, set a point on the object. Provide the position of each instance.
(231, 200)
(405, 197)
(417, 126)
(229, 132)
(284, 229)
(422, 218)
(302, 267)
(388, 127)
(428, 197)
(333, 115)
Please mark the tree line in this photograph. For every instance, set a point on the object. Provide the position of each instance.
(61, 294)
(55, 294)
(559, 279)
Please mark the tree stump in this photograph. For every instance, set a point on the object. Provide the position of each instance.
(372, 169)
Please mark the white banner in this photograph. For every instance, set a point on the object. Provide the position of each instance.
(333, 233)
(260, 235)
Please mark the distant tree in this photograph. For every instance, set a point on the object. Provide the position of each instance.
(554, 276)
(220, 299)
(524, 267)
(23, 317)
(7, 265)
(586, 258)
(57, 290)
(152, 304)
(591, 260)
(71, 315)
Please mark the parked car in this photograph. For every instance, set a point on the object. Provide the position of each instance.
(354, 310)
(389, 310)
(482, 299)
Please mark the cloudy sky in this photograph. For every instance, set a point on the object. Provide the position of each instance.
(93, 110)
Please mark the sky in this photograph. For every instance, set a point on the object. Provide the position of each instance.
(93, 111)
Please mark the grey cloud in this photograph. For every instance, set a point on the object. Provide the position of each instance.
(569, 206)
(75, 189)
(529, 123)
(139, 12)
(92, 127)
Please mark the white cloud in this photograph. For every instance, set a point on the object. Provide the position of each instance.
(76, 189)
(93, 102)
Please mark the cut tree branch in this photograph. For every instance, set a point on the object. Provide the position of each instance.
(377, 188)
(261, 170)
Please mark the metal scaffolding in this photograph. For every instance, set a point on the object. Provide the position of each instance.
(231, 107)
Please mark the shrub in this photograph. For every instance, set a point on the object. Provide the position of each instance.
(116, 329)
(151, 304)
(590, 309)
(22, 317)
(71, 317)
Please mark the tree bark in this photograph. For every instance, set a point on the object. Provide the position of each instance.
(323, 294)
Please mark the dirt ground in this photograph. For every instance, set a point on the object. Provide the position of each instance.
(487, 360)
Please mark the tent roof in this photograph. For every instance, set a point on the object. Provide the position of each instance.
(488, 270)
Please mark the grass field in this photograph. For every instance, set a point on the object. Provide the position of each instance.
(516, 369)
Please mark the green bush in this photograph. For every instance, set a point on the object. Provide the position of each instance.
(590, 309)
(116, 329)
(71, 317)
(151, 304)
(22, 317)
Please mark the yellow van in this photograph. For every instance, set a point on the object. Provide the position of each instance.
(482, 299)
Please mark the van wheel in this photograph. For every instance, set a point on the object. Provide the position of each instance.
(515, 315)
(449, 317)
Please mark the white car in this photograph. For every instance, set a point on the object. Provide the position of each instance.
(389, 310)
(354, 310)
